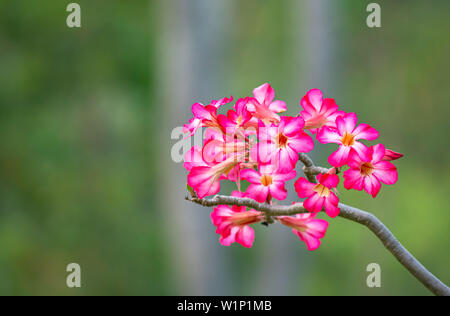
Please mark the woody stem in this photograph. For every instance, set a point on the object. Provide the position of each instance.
(367, 219)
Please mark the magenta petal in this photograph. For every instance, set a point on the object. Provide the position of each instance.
(354, 160)
(365, 131)
(286, 161)
(372, 185)
(251, 176)
(386, 172)
(200, 111)
(283, 177)
(327, 135)
(312, 243)
(293, 126)
(378, 152)
(315, 97)
(392, 155)
(362, 151)
(301, 143)
(265, 152)
(314, 203)
(264, 94)
(278, 106)
(278, 191)
(331, 205)
(329, 107)
(339, 157)
(353, 179)
(230, 237)
(346, 123)
(257, 192)
(329, 180)
(304, 188)
(245, 236)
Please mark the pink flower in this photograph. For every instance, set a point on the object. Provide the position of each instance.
(391, 155)
(233, 223)
(262, 105)
(240, 120)
(218, 150)
(266, 183)
(204, 115)
(319, 195)
(346, 135)
(307, 228)
(205, 180)
(280, 145)
(318, 112)
(368, 173)
(193, 158)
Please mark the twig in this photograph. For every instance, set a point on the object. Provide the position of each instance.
(351, 213)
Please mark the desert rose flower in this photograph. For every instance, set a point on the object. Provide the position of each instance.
(233, 223)
(253, 142)
(239, 121)
(193, 158)
(280, 144)
(318, 112)
(266, 183)
(218, 150)
(346, 135)
(319, 195)
(368, 173)
(391, 155)
(205, 115)
(307, 228)
(205, 180)
(263, 106)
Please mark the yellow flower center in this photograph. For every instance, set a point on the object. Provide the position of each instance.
(366, 169)
(239, 121)
(266, 180)
(322, 190)
(348, 139)
(282, 140)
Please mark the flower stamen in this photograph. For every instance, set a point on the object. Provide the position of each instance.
(348, 139)
(266, 180)
(322, 190)
(366, 169)
(282, 140)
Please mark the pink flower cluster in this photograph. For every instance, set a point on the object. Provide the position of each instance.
(253, 143)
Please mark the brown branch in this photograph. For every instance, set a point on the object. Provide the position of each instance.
(351, 213)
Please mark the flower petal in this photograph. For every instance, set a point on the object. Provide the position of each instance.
(331, 205)
(340, 156)
(386, 172)
(353, 179)
(245, 236)
(278, 106)
(257, 192)
(365, 131)
(378, 152)
(328, 180)
(372, 185)
(278, 191)
(315, 97)
(304, 188)
(314, 203)
(264, 94)
(346, 123)
(327, 135)
(251, 176)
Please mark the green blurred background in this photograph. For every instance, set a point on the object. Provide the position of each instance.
(86, 117)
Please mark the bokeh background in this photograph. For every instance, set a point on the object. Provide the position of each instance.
(86, 120)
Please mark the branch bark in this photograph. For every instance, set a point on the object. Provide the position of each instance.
(367, 219)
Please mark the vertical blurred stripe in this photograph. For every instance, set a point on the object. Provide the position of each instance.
(190, 64)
